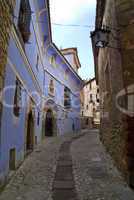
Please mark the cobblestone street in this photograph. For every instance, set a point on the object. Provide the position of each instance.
(68, 167)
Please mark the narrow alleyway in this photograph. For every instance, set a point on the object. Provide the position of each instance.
(73, 167)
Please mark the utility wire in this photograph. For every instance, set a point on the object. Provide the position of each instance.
(73, 25)
(77, 25)
(63, 25)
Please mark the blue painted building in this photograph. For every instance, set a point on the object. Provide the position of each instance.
(41, 95)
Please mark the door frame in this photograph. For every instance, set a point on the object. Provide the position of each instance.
(54, 121)
(30, 108)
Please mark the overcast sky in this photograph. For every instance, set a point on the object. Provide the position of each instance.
(80, 12)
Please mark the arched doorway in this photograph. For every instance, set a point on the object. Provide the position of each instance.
(30, 133)
(49, 123)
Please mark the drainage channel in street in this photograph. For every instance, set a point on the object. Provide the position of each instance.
(64, 184)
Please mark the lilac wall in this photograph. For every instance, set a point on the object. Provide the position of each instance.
(22, 64)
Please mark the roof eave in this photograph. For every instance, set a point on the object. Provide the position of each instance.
(67, 63)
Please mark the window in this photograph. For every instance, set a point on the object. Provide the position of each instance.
(67, 98)
(97, 90)
(97, 108)
(51, 87)
(24, 20)
(66, 75)
(12, 159)
(53, 60)
(45, 38)
(98, 100)
(87, 107)
(37, 62)
(17, 99)
(38, 118)
(91, 98)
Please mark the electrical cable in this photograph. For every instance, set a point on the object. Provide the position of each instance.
(73, 25)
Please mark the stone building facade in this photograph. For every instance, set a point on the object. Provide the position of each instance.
(91, 111)
(41, 93)
(114, 66)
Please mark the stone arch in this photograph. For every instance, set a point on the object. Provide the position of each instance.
(30, 132)
(49, 123)
(50, 110)
(29, 127)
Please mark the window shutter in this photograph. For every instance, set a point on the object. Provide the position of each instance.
(25, 20)
(67, 98)
(17, 99)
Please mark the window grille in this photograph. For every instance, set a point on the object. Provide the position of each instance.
(67, 98)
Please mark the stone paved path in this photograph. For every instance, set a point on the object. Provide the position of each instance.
(70, 167)
(64, 185)
(34, 179)
(96, 177)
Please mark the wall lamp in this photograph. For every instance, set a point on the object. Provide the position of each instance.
(100, 37)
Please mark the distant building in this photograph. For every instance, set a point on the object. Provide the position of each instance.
(71, 54)
(91, 102)
(82, 97)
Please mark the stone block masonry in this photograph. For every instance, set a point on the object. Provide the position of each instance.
(115, 74)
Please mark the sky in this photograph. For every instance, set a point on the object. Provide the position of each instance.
(81, 12)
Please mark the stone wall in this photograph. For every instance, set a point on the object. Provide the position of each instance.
(125, 19)
(116, 72)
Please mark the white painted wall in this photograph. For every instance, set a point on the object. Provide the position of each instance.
(89, 107)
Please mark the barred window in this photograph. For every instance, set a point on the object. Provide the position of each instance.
(67, 98)
(24, 20)
(38, 118)
(51, 87)
(17, 98)
(37, 62)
